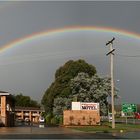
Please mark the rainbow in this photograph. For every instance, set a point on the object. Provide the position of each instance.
(34, 36)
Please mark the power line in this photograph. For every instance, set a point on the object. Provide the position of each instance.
(125, 55)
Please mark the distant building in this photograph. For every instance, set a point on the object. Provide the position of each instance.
(31, 114)
(6, 109)
(9, 113)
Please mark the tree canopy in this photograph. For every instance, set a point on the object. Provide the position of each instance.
(85, 89)
(92, 89)
(61, 85)
(25, 101)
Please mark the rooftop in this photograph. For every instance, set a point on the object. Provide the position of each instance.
(18, 108)
(4, 93)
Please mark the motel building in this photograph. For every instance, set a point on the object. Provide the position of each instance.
(28, 114)
(6, 109)
(9, 113)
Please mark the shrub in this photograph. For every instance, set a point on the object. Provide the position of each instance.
(60, 120)
(48, 118)
(55, 120)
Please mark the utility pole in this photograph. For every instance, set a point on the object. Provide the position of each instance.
(110, 43)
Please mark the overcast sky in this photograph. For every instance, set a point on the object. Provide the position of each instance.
(30, 67)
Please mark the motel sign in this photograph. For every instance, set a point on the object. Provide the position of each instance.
(85, 106)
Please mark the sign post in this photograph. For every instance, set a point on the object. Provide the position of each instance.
(129, 109)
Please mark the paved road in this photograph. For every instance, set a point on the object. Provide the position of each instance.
(59, 136)
(35, 132)
(50, 133)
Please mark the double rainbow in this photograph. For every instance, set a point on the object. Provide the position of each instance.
(34, 36)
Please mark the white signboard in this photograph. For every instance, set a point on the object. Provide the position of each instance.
(75, 105)
(89, 106)
(85, 106)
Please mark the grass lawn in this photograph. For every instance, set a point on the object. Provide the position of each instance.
(106, 127)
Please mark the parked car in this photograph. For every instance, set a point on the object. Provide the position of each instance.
(137, 115)
(41, 122)
(41, 119)
(110, 117)
(27, 120)
(19, 122)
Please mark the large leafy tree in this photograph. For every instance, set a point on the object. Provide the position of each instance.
(61, 85)
(25, 101)
(86, 89)
(92, 89)
(61, 104)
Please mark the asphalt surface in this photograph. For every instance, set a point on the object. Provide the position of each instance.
(50, 133)
(58, 136)
(35, 132)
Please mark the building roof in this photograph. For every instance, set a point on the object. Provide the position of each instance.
(18, 108)
(4, 93)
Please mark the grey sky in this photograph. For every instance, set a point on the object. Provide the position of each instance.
(30, 68)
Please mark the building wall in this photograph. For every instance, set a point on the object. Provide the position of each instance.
(32, 115)
(6, 110)
(81, 117)
(3, 110)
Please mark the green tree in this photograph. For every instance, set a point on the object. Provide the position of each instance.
(61, 86)
(61, 104)
(92, 89)
(25, 101)
(85, 89)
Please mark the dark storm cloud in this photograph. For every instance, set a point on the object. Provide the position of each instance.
(31, 73)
